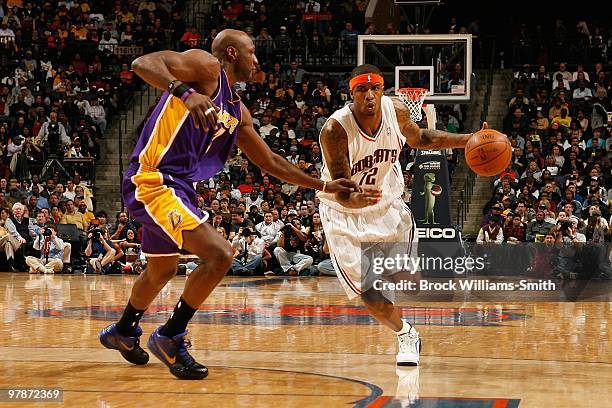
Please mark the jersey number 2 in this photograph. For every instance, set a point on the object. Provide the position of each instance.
(369, 177)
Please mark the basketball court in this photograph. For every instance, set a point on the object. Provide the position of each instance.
(299, 342)
(285, 341)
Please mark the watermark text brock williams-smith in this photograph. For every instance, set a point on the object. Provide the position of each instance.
(466, 285)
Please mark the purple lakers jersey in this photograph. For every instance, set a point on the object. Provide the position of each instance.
(170, 142)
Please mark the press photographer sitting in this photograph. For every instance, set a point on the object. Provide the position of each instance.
(99, 250)
(36, 229)
(290, 249)
(248, 253)
(51, 252)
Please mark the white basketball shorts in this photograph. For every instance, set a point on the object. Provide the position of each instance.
(348, 234)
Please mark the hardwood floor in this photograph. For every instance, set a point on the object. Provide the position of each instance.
(300, 342)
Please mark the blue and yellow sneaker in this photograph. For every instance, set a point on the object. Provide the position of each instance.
(129, 347)
(172, 351)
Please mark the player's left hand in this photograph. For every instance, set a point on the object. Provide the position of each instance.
(366, 197)
(341, 186)
(203, 110)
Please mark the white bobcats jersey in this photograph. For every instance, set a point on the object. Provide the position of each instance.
(374, 161)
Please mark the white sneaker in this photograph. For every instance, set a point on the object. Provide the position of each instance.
(407, 391)
(409, 348)
(49, 271)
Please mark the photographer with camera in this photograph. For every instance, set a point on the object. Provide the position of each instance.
(53, 135)
(290, 249)
(39, 225)
(51, 252)
(99, 250)
(248, 253)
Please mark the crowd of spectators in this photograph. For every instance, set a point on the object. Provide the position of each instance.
(577, 42)
(64, 74)
(308, 31)
(65, 56)
(557, 187)
(273, 227)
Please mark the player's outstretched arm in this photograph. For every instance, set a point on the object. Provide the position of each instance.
(196, 67)
(427, 138)
(260, 154)
(334, 143)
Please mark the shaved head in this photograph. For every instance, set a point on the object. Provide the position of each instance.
(236, 52)
(228, 38)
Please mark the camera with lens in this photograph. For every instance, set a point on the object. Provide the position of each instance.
(96, 233)
(53, 139)
(47, 232)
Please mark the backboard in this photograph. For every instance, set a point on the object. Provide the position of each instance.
(441, 63)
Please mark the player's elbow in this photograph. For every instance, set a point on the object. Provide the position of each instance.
(137, 64)
(140, 64)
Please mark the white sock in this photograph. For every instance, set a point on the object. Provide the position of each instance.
(405, 328)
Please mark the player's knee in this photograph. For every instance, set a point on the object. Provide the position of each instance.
(373, 299)
(225, 256)
(220, 257)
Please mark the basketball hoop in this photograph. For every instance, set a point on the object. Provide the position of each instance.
(413, 98)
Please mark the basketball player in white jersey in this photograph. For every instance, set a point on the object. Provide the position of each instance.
(362, 141)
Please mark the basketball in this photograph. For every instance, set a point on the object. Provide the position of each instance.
(488, 152)
(436, 190)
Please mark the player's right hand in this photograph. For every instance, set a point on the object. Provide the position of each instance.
(366, 197)
(199, 105)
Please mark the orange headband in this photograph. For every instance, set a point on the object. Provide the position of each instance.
(366, 78)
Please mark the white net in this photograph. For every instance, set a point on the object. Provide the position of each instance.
(413, 98)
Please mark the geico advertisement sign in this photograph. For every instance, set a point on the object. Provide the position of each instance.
(436, 233)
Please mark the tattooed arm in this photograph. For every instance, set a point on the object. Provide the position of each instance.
(426, 138)
(334, 143)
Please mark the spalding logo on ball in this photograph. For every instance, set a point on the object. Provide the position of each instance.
(488, 152)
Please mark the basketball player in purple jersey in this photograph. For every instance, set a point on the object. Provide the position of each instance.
(187, 139)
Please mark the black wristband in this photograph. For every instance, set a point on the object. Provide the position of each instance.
(173, 84)
(180, 90)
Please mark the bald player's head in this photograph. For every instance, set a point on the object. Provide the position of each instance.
(228, 39)
(236, 51)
